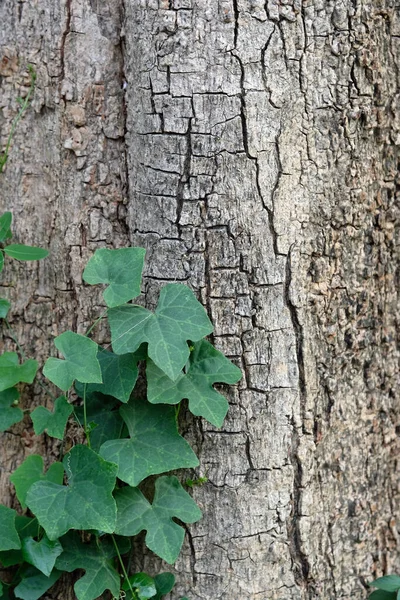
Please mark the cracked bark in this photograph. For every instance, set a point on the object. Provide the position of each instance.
(252, 148)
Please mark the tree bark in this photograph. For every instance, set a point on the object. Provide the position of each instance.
(252, 148)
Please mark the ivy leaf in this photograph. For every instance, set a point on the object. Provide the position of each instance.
(109, 423)
(154, 446)
(164, 584)
(9, 412)
(164, 537)
(22, 252)
(381, 595)
(25, 526)
(41, 555)
(34, 584)
(143, 585)
(86, 503)
(11, 372)
(388, 583)
(206, 366)
(54, 422)
(121, 268)
(9, 538)
(80, 361)
(119, 373)
(178, 317)
(5, 224)
(96, 559)
(4, 304)
(30, 472)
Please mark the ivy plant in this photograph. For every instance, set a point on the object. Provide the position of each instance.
(79, 513)
(388, 588)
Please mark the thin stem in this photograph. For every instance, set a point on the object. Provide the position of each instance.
(95, 322)
(87, 434)
(121, 562)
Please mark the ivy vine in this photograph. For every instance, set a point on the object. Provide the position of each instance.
(82, 512)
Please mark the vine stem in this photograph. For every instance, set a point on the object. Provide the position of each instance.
(87, 434)
(95, 322)
(121, 562)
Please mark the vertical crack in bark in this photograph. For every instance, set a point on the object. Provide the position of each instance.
(124, 83)
(66, 31)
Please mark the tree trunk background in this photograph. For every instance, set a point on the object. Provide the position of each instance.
(252, 148)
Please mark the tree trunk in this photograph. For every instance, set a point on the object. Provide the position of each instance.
(252, 148)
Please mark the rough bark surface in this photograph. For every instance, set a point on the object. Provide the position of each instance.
(252, 147)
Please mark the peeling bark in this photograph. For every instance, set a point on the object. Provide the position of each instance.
(252, 148)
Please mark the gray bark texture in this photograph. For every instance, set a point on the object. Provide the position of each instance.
(252, 147)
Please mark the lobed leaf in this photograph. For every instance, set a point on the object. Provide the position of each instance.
(54, 422)
(34, 584)
(9, 412)
(85, 503)
(80, 361)
(388, 583)
(11, 372)
(164, 537)
(25, 526)
(206, 366)
(30, 472)
(154, 446)
(99, 411)
(9, 538)
(121, 269)
(142, 584)
(42, 554)
(164, 584)
(22, 252)
(179, 317)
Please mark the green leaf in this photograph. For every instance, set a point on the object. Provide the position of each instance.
(41, 555)
(4, 304)
(206, 366)
(9, 412)
(121, 268)
(30, 472)
(80, 361)
(4, 591)
(142, 584)
(178, 317)
(9, 538)
(5, 224)
(21, 252)
(164, 584)
(54, 422)
(154, 446)
(96, 559)
(25, 526)
(11, 372)
(388, 583)
(381, 595)
(85, 503)
(34, 584)
(164, 536)
(119, 373)
(109, 423)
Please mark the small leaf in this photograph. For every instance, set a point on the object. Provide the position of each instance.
(11, 372)
(164, 536)
(85, 503)
(206, 366)
(142, 584)
(121, 268)
(4, 304)
(5, 224)
(9, 412)
(54, 422)
(388, 583)
(41, 555)
(164, 584)
(154, 446)
(96, 558)
(21, 252)
(34, 584)
(178, 317)
(80, 361)
(30, 472)
(9, 538)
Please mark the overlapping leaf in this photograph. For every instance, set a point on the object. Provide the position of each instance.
(164, 537)
(86, 503)
(178, 317)
(80, 361)
(143, 585)
(22, 252)
(9, 538)
(164, 584)
(206, 366)
(30, 472)
(11, 372)
(34, 584)
(9, 412)
(25, 526)
(154, 446)
(96, 559)
(108, 423)
(121, 269)
(42, 554)
(4, 304)
(52, 421)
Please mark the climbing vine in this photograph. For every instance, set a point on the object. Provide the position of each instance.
(83, 511)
